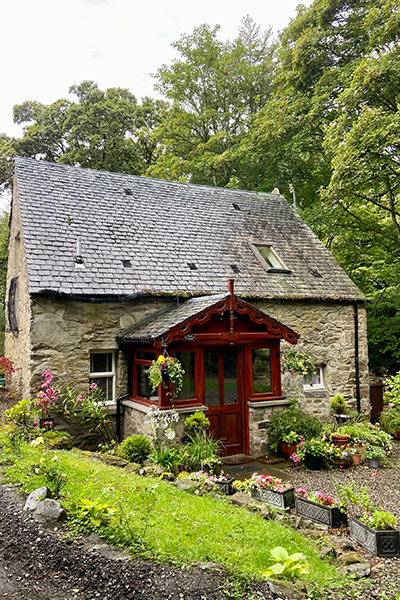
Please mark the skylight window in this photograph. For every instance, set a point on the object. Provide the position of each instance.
(269, 258)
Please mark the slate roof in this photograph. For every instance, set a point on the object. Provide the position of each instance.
(160, 322)
(161, 228)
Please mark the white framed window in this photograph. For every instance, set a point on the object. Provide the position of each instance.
(316, 382)
(102, 372)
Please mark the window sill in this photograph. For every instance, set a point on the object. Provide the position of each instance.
(179, 409)
(273, 402)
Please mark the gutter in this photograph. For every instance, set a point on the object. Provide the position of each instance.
(356, 357)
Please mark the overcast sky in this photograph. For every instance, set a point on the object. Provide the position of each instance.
(49, 45)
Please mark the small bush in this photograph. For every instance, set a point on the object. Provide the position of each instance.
(136, 448)
(59, 440)
(197, 422)
(292, 420)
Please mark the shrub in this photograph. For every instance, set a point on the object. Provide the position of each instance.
(135, 448)
(59, 440)
(338, 405)
(292, 420)
(22, 414)
(168, 457)
(201, 450)
(197, 422)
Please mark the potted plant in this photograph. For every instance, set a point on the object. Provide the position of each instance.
(224, 483)
(294, 419)
(6, 368)
(338, 408)
(390, 420)
(272, 490)
(376, 455)
(312, 452)
(357, 454)
(289, 444)
(374, 529)
(166, 370)
(340, 456)
(320, 508)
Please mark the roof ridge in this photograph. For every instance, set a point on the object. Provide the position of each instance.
(155, 179)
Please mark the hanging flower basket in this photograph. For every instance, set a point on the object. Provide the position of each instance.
(166, 370)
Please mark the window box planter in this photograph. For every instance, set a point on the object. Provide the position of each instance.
(279, 499)
(225, 487)
(379, 543)
(326, 515)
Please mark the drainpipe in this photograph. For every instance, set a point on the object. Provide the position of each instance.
(118, 416)
(356, 362)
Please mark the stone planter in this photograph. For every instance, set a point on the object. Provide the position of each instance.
(313, 463)
(379, 543)
(326, 515)
(225, 487)
(288, 449)
(278, 499)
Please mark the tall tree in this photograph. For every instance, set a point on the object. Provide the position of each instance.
(216, 88)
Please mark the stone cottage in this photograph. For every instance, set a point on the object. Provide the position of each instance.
(107, 271)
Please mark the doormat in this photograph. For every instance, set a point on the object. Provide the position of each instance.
(236, 459)
(269, 460)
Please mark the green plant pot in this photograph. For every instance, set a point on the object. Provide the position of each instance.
(2, 380)
(313, 463)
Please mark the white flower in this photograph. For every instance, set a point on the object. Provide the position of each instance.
(170, 434)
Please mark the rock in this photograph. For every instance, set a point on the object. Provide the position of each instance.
(186, 484)
(36, 496)
(209, 486)
(60, 442)
(154, 470)
(133, 467)
(359, 570)
(242, 499)
(265, 512)
(49, 509)
(327, 552)
(114, 461)
(349, 558)
(94, 538)
(111, 552)
(284, 590)
(347, 545)
(210, 566)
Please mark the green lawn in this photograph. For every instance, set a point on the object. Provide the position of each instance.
(183, 527)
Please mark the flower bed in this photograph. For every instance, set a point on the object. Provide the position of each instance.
(380, 543)
(272, 491)
(320, 509)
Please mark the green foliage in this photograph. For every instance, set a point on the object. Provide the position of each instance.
(135, 448)
(338, 405)
(197, 421)
(90, 515)
(285, 565)
(298, 362)
(168, 457)
(366, 434)
(60, 440)
(52, 472)
(22, 414)
(380, 520)
(354, 498)
(201, 449)
(390, 420)
(293, 419)
(91, 411)
(375, 452)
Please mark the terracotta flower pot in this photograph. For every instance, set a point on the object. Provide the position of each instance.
(288, 449)
(340, 440)
(396, 435)
(356, 459)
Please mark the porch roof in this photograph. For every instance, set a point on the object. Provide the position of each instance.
(177, 320)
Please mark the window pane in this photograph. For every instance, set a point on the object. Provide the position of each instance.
(143, 387)
(101, 362)
(142, 354)
(211, 380)
(261, 370)
(230, 377)
(106, 386)
(188, 390)
(316, 379)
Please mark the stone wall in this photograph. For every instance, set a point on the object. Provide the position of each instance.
(17, 344)
(327, 334)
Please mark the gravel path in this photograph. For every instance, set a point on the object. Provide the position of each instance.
(384, 490)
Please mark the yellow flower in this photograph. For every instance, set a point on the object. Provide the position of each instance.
(54, 459)
(37, 442)
(161, 359)
(37, 471)
(43, 460)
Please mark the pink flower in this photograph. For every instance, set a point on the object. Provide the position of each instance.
(93, 386)
(390, 405)
(79, 399)
(35, 423)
